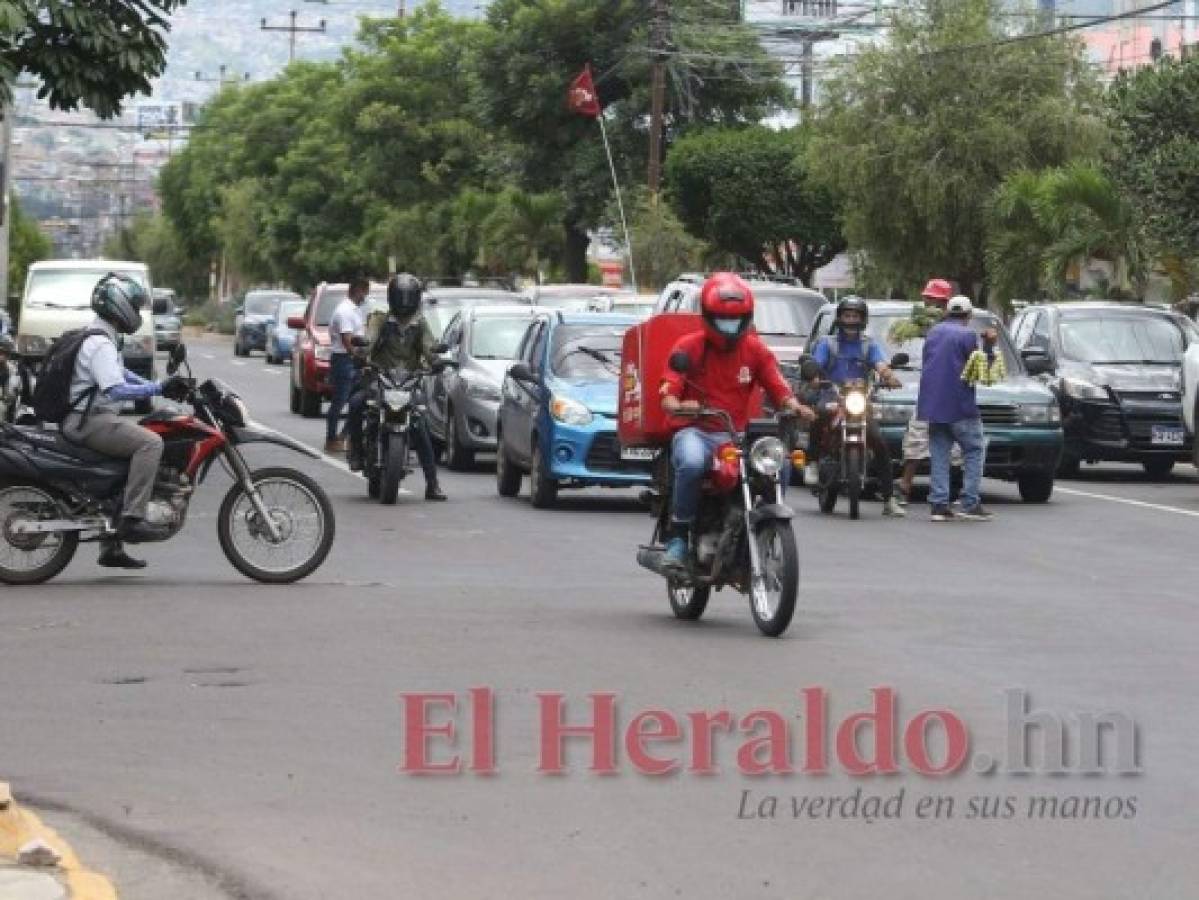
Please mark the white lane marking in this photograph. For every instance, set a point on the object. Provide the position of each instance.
(272, 371)
(341, 466)
(1129, 502)
(207, 356)
(236, 363)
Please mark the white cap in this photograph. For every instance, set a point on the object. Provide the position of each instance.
(959, 305)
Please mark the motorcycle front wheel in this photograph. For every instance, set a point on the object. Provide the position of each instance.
(395, 460)
(688, 602)
(853, 479)
(300, 511)
(772, 602)
(32, 559)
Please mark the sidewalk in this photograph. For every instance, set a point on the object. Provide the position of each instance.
(36, 864)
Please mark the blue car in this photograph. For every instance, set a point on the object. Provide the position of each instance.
(280, 337)
(557, 418)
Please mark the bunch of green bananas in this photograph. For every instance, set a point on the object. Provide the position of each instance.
(917, 325)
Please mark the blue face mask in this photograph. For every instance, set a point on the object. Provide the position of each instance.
(727, 327)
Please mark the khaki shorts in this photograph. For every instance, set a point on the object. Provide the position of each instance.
(915, 444)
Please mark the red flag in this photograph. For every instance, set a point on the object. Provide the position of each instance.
(582, 98)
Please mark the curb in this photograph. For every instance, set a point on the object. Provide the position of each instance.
(19, 826)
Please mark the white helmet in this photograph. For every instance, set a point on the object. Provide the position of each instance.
(959, 306)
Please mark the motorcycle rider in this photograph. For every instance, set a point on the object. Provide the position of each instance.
(100, 384)
(398, 338)
(852, 356)
(727, 362)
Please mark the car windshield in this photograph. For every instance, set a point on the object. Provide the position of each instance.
(263, 304)
(333, 296)
(1122, 337)
(69, 288)
(881, 328)
(785, 313)
(587, 352)
(440, 311)
(290, 308)
(494, 337)
(571, 299)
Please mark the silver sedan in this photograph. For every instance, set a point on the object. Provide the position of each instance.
(463, 402)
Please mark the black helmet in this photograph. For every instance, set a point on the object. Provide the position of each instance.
(855, 303)
(403, 295)
(118, 300)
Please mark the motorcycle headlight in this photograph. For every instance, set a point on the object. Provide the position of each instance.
(569, 412)
(893, 413)
(768, 456)
(396, 399)
(1040, 414)
(1083, 390)
(323, 354)
(483, 390)
(855, 403)
(234, 412)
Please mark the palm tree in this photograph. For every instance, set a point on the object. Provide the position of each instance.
(523, 228)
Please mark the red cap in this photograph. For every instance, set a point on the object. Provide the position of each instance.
(938, 289)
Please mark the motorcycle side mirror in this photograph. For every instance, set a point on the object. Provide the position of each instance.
(679, 362)
(899, 360)
(178, 358)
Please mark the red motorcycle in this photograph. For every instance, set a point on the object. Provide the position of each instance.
(276, 525)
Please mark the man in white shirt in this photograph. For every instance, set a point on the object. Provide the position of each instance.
(346, 324)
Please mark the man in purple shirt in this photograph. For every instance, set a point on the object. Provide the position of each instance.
(948, 404)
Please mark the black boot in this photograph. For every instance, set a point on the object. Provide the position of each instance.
(433, 489)
(113, 556)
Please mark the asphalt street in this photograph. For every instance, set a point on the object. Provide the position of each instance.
(248, 740)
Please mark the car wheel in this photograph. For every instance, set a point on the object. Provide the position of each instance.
(457, 457)
(543, 489)
(310, 404)
(294, 393)
(1035, 487)
(1158, 468)
(507, 476)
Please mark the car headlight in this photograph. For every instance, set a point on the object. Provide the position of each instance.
(855, 403)
(1040, 414)
(323, 354)
(893, 413)
(483, 390)
(396, 399)
(768, 456)
(1083, 390)
(32, 345)
(569, 412)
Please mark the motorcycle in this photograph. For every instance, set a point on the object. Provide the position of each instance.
(15, 387)
(275, 525)
(394, 407)
(742, 535)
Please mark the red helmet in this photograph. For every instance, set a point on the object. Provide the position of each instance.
(938, 290)
(727, 304)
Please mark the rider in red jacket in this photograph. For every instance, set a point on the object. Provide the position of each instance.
(728, 361)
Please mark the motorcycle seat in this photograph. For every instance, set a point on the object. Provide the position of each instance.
(55, 441)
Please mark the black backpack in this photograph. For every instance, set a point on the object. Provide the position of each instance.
(52, 393)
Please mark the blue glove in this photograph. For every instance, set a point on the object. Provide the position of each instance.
(143, 391)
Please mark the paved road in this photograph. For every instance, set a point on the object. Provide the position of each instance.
(253, 736)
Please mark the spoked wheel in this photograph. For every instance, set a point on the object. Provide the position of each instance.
(394, 464)
(687, 601)
(853, 479)
(772, 599)
(31, 558)
(302, 515)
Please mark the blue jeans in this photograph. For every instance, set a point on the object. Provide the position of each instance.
(691, 454)
(341, 380)
(968, 433)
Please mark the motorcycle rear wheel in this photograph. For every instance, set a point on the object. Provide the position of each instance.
(38, 558)
(302, 512)
(853, 480)
(780, 570)
(687, 602)
(394, 464)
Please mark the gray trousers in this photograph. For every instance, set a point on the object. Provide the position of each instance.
(108, 433)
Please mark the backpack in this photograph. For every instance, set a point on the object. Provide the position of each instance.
(52, 393)
(834, 350)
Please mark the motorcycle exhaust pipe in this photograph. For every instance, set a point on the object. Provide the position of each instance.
(651, 558)
(29, 527)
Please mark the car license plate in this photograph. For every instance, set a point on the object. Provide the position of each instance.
(639, 454)
(1168, 435)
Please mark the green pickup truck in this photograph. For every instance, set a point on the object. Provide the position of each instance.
(1021, 417)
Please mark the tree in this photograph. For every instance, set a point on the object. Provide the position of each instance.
(662, 248)
(746, 192)
(153, 240)
(523, 229)
(919, 131)
(26, 245)
(90, 54)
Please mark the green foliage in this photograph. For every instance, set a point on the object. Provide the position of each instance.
(662, 247)
(746, 191)
(26, 245)
(90, 54)
(918, 132)
(152, 239)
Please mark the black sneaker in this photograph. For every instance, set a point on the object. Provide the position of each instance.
(942, 513)
(976, 513)
(113, 556)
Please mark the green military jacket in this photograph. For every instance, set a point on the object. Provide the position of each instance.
(393, 344)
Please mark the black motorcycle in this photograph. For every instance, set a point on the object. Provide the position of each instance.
(742, 535)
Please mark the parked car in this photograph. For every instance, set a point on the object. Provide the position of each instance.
(783, 311)
(1116, 370)
(1190, 396)
(557, 418)
(1020, 415)
(281, 337)
(464, 402)
(309, 381)
(57, 298)
(441, 304)
(569, 297)
(254, 314)
(168, 320)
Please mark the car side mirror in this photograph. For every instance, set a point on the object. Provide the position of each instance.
(679, 362)
(900, 360)
(1037, 362)
(296, 322)
(177, 359)
(522, 372)
(440, 347)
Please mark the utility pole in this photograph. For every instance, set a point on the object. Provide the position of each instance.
(292, 28)
(400, 11)
(221, 79)
(657, 96)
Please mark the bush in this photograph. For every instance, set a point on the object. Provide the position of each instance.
(220, 316)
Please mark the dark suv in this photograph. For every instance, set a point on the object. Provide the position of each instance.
(1116, 371)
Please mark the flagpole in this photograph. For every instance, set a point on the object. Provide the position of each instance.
(628, 240)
